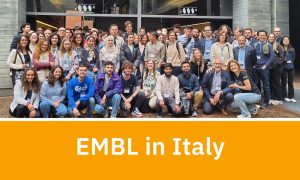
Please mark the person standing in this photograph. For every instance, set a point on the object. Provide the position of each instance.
(288, 73)
(19, 59)
(24, 30)
(261, 71)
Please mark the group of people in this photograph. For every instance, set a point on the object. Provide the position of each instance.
(71, 72)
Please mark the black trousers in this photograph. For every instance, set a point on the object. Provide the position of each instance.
(275, 82)
(287, 79)
(22, 111)
(137, 102)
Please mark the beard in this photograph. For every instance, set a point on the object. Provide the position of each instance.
(168, 75)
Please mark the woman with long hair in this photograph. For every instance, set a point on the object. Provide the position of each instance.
(77, 44)
(90, 57)
(275, 71)
(247, 94)
(19, 58)
(42, 60)
(26, 95)
(149, 82)
(109, 53)
(53, 93)
(288, 73)
(67, 59)
(142, 44)
(198, 64)
(54, 44)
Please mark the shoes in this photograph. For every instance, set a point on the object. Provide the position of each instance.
(287, 99)
(136, 112)
(159, 115)
(242, 116)
(257, 107)
(223, 111)
(293, 100)
(275, 102)
(264, 106)
(194, 114)
(106, 115)
(113, 117)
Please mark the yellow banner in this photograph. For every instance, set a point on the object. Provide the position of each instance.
(150, 150)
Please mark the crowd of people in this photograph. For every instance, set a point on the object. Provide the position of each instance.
(70, 72)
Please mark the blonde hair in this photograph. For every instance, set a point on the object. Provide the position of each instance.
(62, 50)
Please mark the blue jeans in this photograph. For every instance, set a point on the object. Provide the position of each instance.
(90, 104)
(246, 102)
(114, 102)
(45, 107)
(92, 75)
(225, 100)
(263, 75)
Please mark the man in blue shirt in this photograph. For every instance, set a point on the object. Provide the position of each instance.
(81, 93)
(265, 57)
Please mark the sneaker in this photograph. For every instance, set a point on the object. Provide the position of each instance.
(264, 106)
(106, 115)
(293, 100)
(287, 99)
(271, 101)
(194, 114)
(113, 117)
(242, 116)
(276, 102)
(136, 112)
(159, 115)
(257, 107)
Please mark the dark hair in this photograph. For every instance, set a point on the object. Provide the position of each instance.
(35, 83)
(50, 37)
(184, 62)
(74, 39)
(176, 26)
(164, 66)
(23, 26)
(70, 31)
(262, 31)
(281, 42)
(19, 42)
(112, 26)
(82, 65)
(141, 36)
(248, 29)
(108, 63)
(154, 33)
(229, 31)
(127, 23)
(51, 78)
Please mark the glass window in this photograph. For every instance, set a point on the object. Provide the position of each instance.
(187, 7)
(87, 6)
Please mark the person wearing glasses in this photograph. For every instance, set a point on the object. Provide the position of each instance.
(61, 32)
(277, 34)
(205, 44)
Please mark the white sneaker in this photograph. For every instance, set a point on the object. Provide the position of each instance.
(257, 107)
(271, 101)
(276, 102)
(287, 99)
(293, 100)
(242, 116)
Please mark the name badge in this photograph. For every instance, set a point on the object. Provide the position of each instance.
(258, 57)
(126, 90)
(289, 62)
(66, 66)
(166, 95)
(151, 55)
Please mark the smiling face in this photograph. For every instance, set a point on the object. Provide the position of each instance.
(78, 39)
(91, 42)
(30, 76)
(218, 65)
(222, 37)
(23, 42)
(197, 54)
(234, 67)
(109, 69)
(128, 70)
(150, 65)
(33, 37)
(67, 45)
(82, 72)
(47, 33)
(44, 46)
(286, 41)
(57, 73)
(271, 38)
(130, 39)
(54, 39)
(172, 36)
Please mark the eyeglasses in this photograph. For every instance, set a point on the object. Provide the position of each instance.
(61, 30)
(276, 31)
(207, 30)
